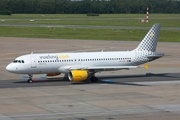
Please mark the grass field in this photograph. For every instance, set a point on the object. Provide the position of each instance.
(167, 20)
(35, 16)
(85, 34)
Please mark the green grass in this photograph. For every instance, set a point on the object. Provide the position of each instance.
(103, 20)
(167, 20)
(85, 34)
(45, 16)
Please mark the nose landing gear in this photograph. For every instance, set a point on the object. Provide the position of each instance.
(30, 78)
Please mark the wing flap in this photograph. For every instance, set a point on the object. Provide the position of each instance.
(66, 69)
(103, 67)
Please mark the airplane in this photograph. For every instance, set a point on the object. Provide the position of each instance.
(83, 66)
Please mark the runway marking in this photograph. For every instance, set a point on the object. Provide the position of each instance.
(68, 113)
(5, 117)
(156, 83)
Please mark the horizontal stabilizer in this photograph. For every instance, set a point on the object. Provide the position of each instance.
(156, 55)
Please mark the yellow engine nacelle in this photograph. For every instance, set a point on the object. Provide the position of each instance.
(78, 75)
(53, 74)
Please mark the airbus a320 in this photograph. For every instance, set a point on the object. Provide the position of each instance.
(83, 66)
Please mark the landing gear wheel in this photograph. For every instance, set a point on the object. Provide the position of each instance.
(30, 81)
(30, 78)
(94, 79)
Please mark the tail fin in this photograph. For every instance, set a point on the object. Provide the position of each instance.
(149, 43)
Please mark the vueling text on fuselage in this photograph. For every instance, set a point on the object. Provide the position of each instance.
(55, 57)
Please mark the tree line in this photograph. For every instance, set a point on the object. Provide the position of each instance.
(88, 6)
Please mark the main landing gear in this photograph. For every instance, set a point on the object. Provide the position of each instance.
(94, 79)
(30, 78)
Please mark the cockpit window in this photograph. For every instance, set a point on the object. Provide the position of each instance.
(18, 61)
(15, 61)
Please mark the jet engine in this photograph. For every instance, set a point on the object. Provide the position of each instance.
(78, 75)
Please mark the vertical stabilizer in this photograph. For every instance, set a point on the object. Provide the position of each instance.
(149, 43)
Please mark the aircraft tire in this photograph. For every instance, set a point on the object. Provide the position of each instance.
(30, 81)
(94, 79)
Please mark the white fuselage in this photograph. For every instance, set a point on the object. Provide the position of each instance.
(58, 62)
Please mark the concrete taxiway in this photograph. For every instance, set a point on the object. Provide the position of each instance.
(136, 94)
(136, 80)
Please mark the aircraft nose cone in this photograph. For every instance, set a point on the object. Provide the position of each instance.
(10, 68)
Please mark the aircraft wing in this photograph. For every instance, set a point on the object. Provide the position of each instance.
(101, 67)
(65, 69)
